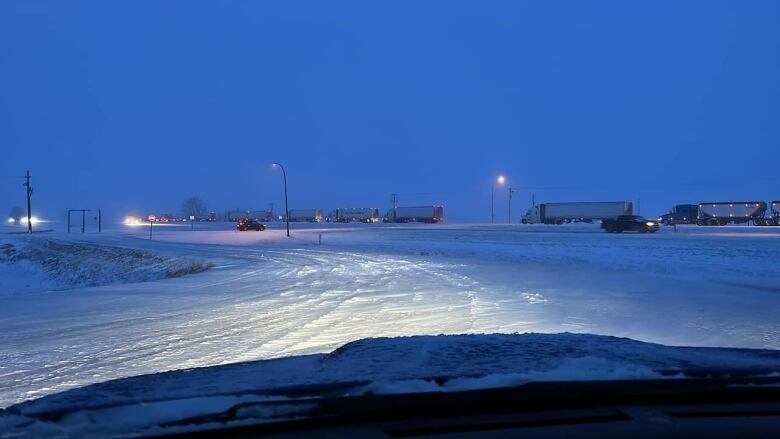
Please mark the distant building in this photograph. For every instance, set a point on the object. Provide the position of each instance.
(257, 215)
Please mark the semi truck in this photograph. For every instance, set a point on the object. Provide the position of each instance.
(354, 214)
(415, 214)
(305, 215)
(720, 213)
(681, 214)
(559, 213)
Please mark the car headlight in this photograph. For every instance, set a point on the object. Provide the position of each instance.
(649, 223)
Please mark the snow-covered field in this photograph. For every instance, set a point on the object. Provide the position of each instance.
(79, 309)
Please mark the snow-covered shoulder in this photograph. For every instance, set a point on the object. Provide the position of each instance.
(380, 365)
(40, 263)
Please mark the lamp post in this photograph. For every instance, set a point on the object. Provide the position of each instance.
(511, 189)
(500, 180)
(286, 209)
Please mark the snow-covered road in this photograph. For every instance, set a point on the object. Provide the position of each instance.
(268, 296)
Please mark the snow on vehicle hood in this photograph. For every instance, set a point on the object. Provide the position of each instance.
(378, 365)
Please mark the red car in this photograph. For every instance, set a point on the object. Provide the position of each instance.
(249, 224)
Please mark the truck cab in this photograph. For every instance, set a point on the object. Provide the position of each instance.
(681, 214)
(532, 215)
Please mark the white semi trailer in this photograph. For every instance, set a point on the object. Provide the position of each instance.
(354, 214)
(305, 215)
(416, 214)
(559, 213)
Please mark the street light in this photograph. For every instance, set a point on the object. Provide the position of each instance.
(500, 180)
(286, 209)
(511, 190)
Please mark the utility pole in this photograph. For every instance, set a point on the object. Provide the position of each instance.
(29, 202)
(511, 190)
(394, 200)
(100, 221)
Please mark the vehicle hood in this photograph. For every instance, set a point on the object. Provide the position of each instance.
(373, 366)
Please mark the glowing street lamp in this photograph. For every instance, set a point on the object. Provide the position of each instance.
(500, 181)
(286, 209)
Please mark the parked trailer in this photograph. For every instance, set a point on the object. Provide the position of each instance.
(263, 216)
(417, 214)
(354, 215)
(559, 213)
(774, 216)
(720, 213)
(305, 215)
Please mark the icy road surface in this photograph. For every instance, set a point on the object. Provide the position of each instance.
(269, 296)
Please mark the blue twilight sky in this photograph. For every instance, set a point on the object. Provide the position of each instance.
(132, 106)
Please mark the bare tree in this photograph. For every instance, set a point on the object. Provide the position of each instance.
(193, 206)
(16, 214)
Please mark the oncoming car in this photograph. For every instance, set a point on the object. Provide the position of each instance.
(249, 224)
(630, 223)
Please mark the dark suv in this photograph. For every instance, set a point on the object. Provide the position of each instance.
(249, 224)
(629, 223)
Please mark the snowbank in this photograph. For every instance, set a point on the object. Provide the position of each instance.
(38, 263)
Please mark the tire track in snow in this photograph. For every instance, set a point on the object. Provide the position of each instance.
(260, 304)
